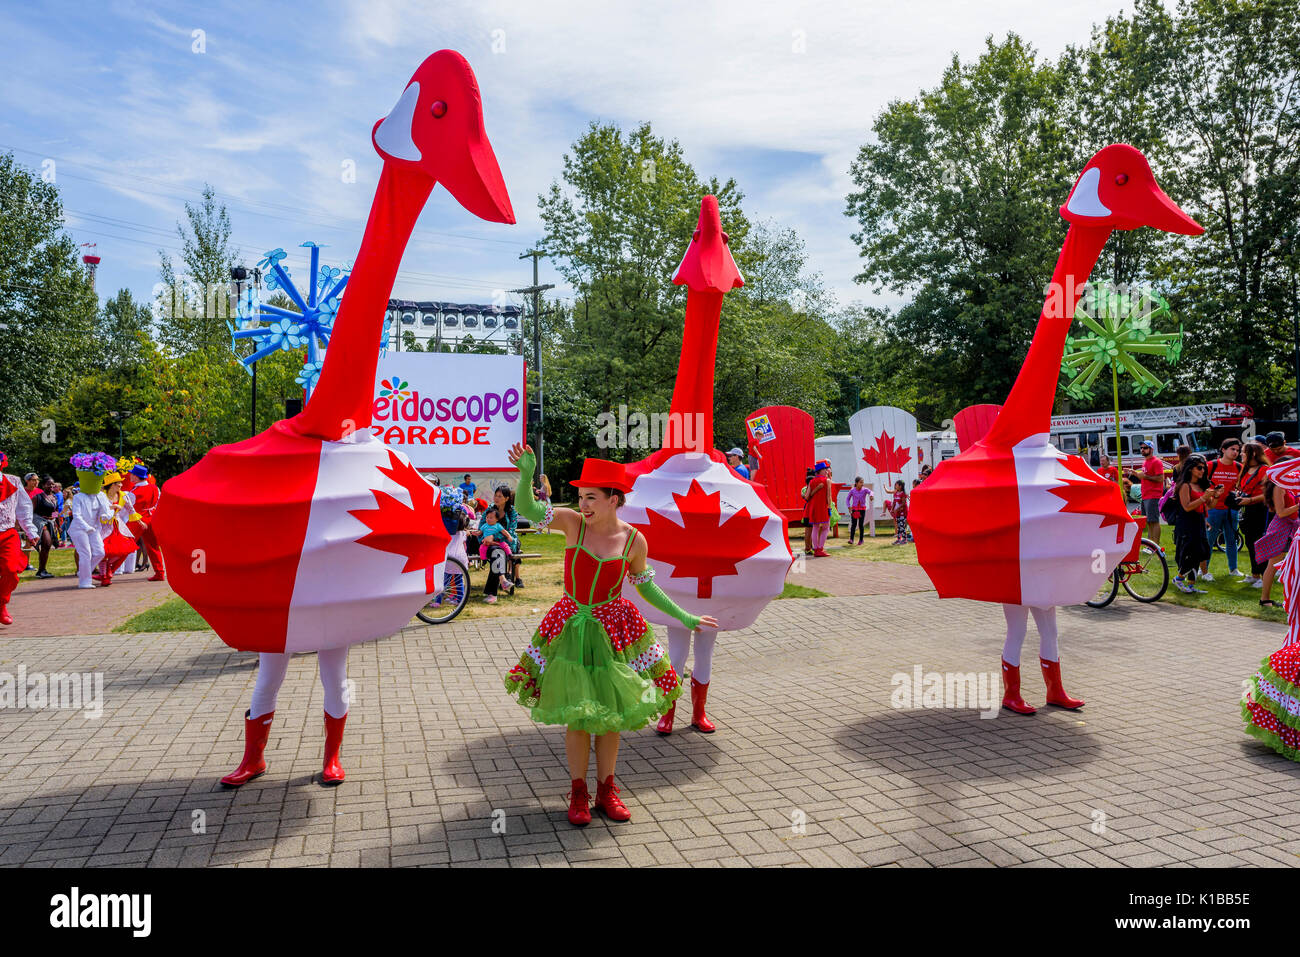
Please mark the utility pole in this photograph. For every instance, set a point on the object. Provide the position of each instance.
(536, 290)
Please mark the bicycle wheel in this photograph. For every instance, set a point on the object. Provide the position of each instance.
(448, 603)
(1106, 593)
(1241, 542)
(1147, 578)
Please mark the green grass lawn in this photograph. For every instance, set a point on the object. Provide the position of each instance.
(801, 591)
(1225, 594)
(880, 548)
(174, 614)
(62, 561)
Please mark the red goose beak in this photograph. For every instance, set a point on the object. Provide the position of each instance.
(436, 128)
(1118, 190)
(708, 263)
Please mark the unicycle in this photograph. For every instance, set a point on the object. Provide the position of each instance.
(448, 603)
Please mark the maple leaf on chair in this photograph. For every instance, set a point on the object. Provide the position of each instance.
(703, 546)
(1093, 496)
(415, 531)
(887, 458)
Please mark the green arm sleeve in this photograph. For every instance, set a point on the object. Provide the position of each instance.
(656, 598)
(525, 504)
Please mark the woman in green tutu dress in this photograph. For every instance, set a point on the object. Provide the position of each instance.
(594, 664)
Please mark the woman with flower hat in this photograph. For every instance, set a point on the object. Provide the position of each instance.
(119, 543)
(15, 517)
(594, 664)
(90, 513)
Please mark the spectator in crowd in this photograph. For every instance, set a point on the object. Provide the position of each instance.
(468, 487)
(1225, 472)
(897, 508)
(504, 500)
(495, 545)
(736, 459)
(1107, 471)
(926, 472)
(1191, 547)
(1277, 448)
(1254, 510)
(1184, 452)
(542, 488)
(804, 520)
(1151, 477)
(859, 502)
(45, 515)
(819, 511)
(31, 483)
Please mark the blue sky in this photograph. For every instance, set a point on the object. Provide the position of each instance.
(778, 95)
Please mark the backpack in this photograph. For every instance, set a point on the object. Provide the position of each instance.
(1169, 505)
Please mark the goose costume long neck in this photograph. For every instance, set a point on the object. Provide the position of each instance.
(349, 539)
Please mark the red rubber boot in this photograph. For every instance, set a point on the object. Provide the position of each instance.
(8, 619)
(1055, 692)
(665, 725)
(579, 804)
(332, 772)
(256, 731)
(607, 800)
(1011, 699)
(699, 720)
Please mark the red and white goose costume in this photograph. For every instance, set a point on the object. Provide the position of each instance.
(1013, 519)
(348, 537)
(16, 523)
(718, 544)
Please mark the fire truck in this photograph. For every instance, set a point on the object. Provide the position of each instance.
(1088, 434)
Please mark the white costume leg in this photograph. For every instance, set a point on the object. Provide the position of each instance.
(128, 566)
(333, 663)
(1017, 626)
(705, 639)
(679, 647)
(1045, 620)
(90, 552)
(271, 669)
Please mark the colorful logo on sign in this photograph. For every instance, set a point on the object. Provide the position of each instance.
(394, 386)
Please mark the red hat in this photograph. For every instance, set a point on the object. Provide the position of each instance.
(601, 473)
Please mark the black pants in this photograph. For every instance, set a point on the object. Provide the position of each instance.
(498, 564)
(1254, 520)
(858, 521)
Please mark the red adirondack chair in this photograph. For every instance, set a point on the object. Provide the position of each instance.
(784, 461)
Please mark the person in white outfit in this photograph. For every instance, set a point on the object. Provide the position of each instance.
(90, 514)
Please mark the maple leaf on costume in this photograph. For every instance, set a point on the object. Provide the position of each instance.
(702, 546)
(1093, 496)
(415, 531)
(886, 458)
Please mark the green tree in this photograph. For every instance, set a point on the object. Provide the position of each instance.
(122, 330)
(1229, 98)
(955, 199)
(47, 304)
(195, 301)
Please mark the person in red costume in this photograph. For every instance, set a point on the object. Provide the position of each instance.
(1012, 519)
(16, 518)
(119, 543)
(141, 484)
(819, 511)
(352, 541)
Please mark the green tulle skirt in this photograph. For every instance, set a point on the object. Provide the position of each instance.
(579, 680)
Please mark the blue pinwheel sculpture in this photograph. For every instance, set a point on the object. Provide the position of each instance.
(273, 329)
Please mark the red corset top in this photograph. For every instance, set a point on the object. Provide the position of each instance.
(589, 580)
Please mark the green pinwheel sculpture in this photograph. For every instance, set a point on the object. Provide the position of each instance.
(1122, 327)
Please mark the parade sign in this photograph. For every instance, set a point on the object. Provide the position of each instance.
(449, 411)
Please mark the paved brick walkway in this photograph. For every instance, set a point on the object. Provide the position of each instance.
(847, 576)
(811, 765)
(49, 607)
